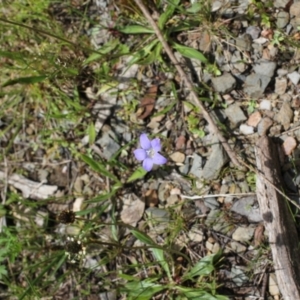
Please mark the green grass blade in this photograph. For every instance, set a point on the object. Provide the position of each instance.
(136, 29)
(190, 52)
(25, 80)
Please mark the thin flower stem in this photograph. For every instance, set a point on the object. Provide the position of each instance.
(189, 84)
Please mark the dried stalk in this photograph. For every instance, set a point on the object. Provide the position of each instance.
(195, 99)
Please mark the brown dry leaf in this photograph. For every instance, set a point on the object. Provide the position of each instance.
(148, 101)
(259, 235)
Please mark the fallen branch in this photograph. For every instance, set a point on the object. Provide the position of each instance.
(278, 221)
(189, 84)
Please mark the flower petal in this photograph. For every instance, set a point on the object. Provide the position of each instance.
(140, 154)
(148, 164)
(158, 159)
(156, 144)
(145, 142)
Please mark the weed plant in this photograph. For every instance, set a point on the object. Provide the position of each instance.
(47, 250)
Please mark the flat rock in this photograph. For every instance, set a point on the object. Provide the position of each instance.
(265, 68)
(109, 145)
(282, 19)
(246, 129)
(255, 85)
(235, 114)
(280, 85)
(243, 234)
(196, 165)
(254, 31)
(265, 104)
(237, 61)
(215, 162)
(294, 77)
(224, 83)
(281, 3)
(285, 115)
(244, 43)
(289, 145)
(254, 119)
(295, 10)
(264, 125)
(248, 207)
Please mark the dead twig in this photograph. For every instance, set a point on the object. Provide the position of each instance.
(189, 84)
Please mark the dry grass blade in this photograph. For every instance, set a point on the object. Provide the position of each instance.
(189, 84)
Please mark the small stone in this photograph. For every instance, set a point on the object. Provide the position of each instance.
(265, 68)
(283, 19)
(264, 126)
(237, 247)
(244, 43)
(265, 104)
(254, 119)
(255, 84)
(281, 3)
(280, 86)
(172, 200)
(246, 130)
(254, 31)
(289, 145)
(294, 77)
(177, 157)
(224, 83)
(285, 115)
(196, 165)
(237, 62)
(295, 9)
(196, 234)
(243, 234)
(235, 114)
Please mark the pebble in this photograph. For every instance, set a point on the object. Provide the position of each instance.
(224, 83)
(265, 104)
(265, 67)
(264, 125)
(244, 43)
(248, 207)
(215, 162)
(295, 10)
(196, 234)
(283, 19)
(196, 165)
(285, 115)
(256, 84)
(243, 234)
(235, 114)
(254, 119)
(238, 276)
(211, 203)
(109, 145)
(177, 157)
(246, 129)
(237, 61)
(281, 3)
(294, 77)
(280, 85)
(254, 31)
(237, 247)
(289, 145)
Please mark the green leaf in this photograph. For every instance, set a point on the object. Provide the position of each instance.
(166, 109)
(25, 80)
(91, 131)
(142, 290)
(198, 294)
(97, 167)
(203, 268)
(136, 29)
(190, 53)
(195, 8)
(159, 256)
(142, 237)
(137, 174)
(168, 13)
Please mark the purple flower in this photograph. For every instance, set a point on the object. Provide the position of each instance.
(148, 153)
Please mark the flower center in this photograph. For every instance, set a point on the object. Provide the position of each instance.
(150, 153)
